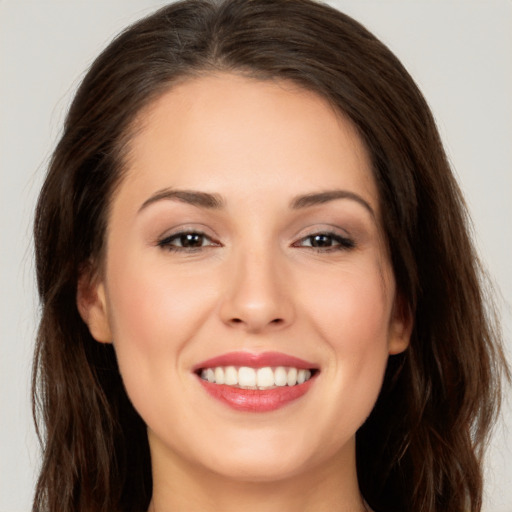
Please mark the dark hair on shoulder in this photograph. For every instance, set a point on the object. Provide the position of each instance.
(421, 448)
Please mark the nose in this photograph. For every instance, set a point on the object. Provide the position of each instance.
(257, 296)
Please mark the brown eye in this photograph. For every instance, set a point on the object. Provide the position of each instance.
(326, 241)
(191, 240)
(322, 241)
(187, 241)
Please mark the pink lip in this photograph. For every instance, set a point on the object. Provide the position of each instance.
(256, 400)
(255, 361)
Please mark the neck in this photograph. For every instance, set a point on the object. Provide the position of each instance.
(180, 487)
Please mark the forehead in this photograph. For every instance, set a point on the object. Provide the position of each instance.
(236, 133)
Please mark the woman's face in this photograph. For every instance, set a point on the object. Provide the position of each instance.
(246, 233)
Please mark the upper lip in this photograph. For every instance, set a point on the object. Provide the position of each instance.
(255, 361)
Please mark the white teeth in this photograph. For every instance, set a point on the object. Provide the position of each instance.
(252, 378)
(280, 376)
(219, 375)
(291, 378)
(265, 377)
(230, 376)
(246, 376)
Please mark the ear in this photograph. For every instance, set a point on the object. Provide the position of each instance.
(400, 327)
(92, 306)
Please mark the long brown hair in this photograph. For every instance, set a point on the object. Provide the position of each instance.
(421, 448)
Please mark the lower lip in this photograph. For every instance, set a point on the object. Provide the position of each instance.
(256, 400)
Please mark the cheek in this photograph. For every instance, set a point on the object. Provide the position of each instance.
(149, 303)
(153, 314)
(352, 309)
(353, 314)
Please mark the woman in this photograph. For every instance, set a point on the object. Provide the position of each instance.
(257, 282)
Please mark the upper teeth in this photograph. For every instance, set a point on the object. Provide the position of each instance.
(255, 378)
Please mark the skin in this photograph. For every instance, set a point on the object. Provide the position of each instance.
(255, 284)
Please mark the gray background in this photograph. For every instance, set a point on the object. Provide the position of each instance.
(459, 52)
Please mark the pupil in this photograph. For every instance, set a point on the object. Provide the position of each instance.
(191, 240)
(321, 241)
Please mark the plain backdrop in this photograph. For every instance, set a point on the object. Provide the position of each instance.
(459, 52)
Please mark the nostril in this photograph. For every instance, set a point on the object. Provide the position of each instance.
(255, 323)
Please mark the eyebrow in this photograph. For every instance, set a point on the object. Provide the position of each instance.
(193, 197)
(315, 199)
(216, 202)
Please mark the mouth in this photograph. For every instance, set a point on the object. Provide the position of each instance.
(245, 377)
(256, 382)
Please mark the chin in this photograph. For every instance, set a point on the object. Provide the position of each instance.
(261, 468)
(264, 458)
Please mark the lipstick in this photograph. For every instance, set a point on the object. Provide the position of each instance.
(225, 378)
(255, 361)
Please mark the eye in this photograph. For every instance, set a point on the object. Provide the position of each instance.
(187, 241)
(326, 241)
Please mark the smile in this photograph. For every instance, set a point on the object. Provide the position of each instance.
(256, 382)
(256, 378)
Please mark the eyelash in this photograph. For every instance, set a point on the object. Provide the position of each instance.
(167, 242)
(342, 243)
